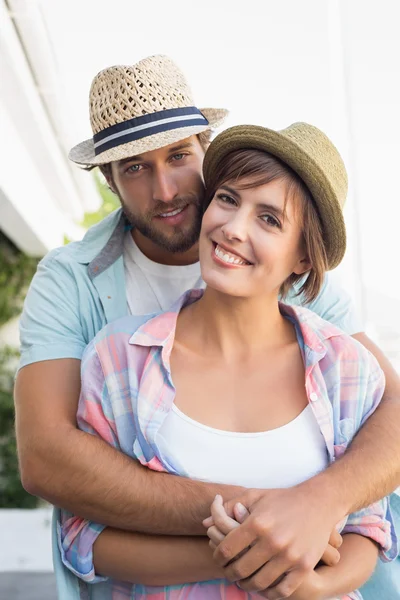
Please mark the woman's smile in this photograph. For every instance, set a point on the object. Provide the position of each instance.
(228, 258)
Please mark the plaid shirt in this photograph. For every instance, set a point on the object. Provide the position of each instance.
(127, 392)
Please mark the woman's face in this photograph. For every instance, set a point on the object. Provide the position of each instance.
(248, 244)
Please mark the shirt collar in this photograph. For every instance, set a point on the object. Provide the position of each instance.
(160, 329)
(103, 243)
(314, 330)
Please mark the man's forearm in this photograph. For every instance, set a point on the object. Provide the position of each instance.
(154, 560)
(376, 448)
(89, 478)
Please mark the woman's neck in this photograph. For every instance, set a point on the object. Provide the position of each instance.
(234, 328)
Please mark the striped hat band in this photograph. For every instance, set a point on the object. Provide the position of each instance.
(146, 125)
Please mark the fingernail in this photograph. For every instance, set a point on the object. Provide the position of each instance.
(241, 509)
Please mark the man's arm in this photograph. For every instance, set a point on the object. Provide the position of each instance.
(377, 445)
(85, 475)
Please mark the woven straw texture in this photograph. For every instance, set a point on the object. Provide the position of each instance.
(121, 93)
(309, 152)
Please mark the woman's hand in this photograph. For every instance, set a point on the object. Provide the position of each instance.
(238, 565)
(225, 522)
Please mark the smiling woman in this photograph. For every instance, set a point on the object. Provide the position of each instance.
(272, 196)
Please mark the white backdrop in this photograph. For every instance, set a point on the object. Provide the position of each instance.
(334, 63)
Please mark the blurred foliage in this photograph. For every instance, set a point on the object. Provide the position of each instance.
(109, 204)
(16, 272)
(12, 494)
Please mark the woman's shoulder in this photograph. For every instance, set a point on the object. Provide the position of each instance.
(323, 336)
(351, 373)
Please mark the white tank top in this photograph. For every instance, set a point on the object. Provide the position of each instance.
(278, 458)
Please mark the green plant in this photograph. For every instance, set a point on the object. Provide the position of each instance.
(16, 272)
(109, 204)
(12, 494)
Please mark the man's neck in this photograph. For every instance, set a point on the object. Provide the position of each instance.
(163, 257)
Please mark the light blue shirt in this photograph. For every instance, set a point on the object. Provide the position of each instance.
(79, 288)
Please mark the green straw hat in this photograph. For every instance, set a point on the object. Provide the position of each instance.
(312, 156)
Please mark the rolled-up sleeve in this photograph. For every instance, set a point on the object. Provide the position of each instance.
(76, 536)
(375, 522)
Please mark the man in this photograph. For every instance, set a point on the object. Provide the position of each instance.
(149, 139)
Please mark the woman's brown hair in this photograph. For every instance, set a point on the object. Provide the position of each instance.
(251, 168)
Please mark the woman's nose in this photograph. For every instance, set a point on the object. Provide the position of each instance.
(235, 229)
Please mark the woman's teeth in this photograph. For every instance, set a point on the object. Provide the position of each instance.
(173, 212)
(228, 258)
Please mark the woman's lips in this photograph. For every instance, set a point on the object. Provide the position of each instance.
(226, 258)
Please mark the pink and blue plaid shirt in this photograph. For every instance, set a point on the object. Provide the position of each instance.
(127, 392)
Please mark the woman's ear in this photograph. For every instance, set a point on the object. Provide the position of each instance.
(303, 265)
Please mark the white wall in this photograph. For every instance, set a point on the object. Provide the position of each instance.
(40, 199)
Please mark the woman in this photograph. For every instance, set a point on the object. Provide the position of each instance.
(231, 385)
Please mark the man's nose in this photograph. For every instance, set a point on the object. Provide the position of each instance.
(164, 187)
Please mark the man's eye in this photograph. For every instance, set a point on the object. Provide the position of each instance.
(134, 168)
(178, 156)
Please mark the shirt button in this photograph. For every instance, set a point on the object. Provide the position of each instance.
(313, 397)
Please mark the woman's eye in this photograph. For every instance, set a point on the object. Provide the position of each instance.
(226, 199)
(178, 156)
(270, 220)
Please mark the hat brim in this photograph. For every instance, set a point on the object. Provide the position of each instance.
(284, 148)
(83, 153)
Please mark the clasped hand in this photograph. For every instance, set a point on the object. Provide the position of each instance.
(269, 542)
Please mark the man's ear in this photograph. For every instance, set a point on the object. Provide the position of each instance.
(107, 174)
(110, 183)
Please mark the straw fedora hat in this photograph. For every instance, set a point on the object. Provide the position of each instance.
(138, 108)
(309, 152)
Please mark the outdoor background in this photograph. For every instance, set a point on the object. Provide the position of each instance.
(332, 63)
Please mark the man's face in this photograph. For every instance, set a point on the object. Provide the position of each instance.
(161, 193)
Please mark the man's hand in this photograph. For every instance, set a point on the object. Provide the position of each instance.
(282, 540)
(311, 588)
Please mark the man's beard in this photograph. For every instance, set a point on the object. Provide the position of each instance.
(180, 240)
